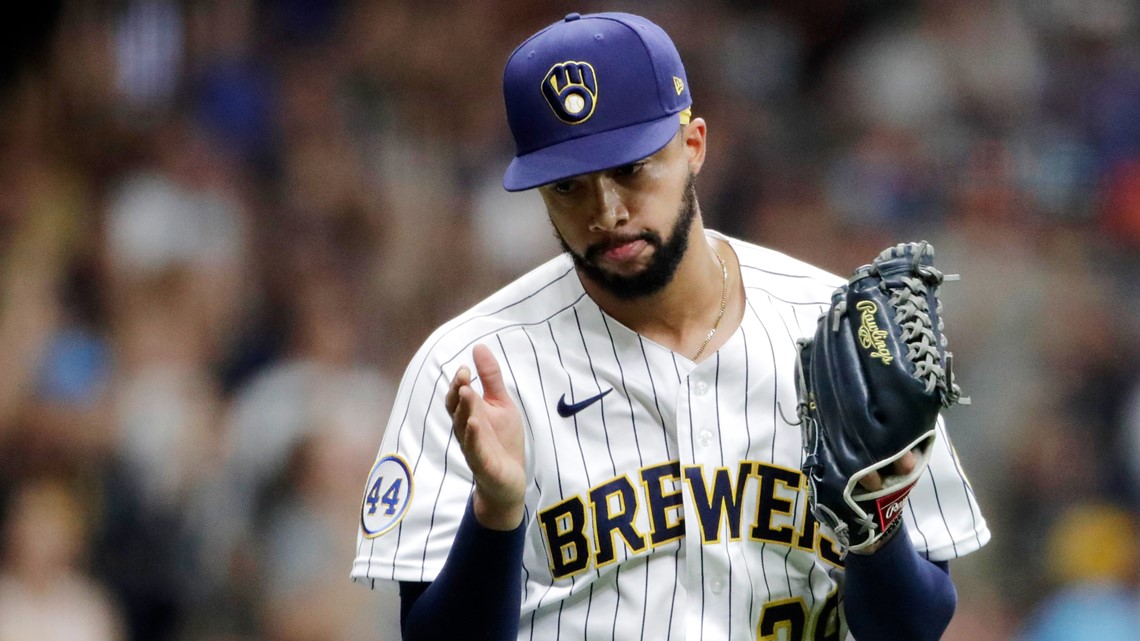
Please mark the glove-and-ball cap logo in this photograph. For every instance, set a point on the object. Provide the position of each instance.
(387, 495)
(571, 90)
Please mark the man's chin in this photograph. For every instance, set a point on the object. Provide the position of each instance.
(623, 269)
(640, 282)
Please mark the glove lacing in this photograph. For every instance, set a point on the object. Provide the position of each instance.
(924, 349)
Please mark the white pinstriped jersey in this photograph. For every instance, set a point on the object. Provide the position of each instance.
(666, 501)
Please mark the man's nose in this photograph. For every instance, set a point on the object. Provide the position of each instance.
(611, 211)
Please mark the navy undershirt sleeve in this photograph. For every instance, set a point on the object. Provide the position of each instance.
(478, 593)
(896, 594)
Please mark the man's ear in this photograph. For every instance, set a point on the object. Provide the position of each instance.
(693, 136)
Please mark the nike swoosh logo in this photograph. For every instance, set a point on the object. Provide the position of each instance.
(566, 411)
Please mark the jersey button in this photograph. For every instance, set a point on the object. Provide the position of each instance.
(701, 388)
(717, 586)
(704, 437)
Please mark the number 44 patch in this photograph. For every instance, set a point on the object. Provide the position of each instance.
(386, 496)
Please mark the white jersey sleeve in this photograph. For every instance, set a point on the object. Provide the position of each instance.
(417, 521)
(943, 519)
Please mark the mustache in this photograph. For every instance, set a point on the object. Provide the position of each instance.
(597, 249)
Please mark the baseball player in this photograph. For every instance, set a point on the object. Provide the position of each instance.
(607, 447)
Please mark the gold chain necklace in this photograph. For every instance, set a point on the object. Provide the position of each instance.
(723, 303)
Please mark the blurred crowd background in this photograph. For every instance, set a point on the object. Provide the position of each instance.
(225, 226)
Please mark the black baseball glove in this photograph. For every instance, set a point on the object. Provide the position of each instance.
(871, 383)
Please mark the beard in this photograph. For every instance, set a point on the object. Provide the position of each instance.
(667, 254)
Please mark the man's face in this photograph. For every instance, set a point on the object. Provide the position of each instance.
(628, 228)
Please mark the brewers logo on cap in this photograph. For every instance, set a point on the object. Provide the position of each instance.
(571, 90)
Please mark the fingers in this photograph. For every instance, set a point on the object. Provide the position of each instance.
(872, 482)
(489, 372)
(462, 399)
(462, 378)
(459, 400)
(488, 429)
(905, 465)
(897, 470)
(482, 452)
(461, 420)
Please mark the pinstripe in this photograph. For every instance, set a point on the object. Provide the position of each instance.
(701, 549)
(716, 401)
(763, 546)
(720, 442)
(786, 302)
(570, 386)
(917, 527)
(730, 583)
(617, 605)
(941, 514)
(966, 488)
(810, 324)
(526, 571)
(673, 601)
(549, 586)
(775, 410)
(558, 628)
(598, 385)
(811, 591)
(625, 392)
(644, 610)
(787, 571)
(546, 404)
(689, 407)
(439, 492)
(586, 621)
(656, 400)
(400, 529)
(772, 354)
(577, 433)
(775, 273)
(747, 390)
(748, 448)
(525, 413)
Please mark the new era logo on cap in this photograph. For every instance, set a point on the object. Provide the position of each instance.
(564, 124)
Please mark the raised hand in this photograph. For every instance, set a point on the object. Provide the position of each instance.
(490, 433)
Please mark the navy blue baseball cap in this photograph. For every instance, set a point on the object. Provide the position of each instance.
(591, 92)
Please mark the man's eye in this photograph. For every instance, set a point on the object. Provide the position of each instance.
(628, 170)
(563, 187)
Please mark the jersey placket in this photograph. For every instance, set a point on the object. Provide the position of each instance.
(706, 561)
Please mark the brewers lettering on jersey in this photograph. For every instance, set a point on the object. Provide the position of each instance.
(632, 401)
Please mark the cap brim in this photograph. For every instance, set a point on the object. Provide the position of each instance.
(597, 152)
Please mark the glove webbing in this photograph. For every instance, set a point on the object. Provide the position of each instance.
(912, 313)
